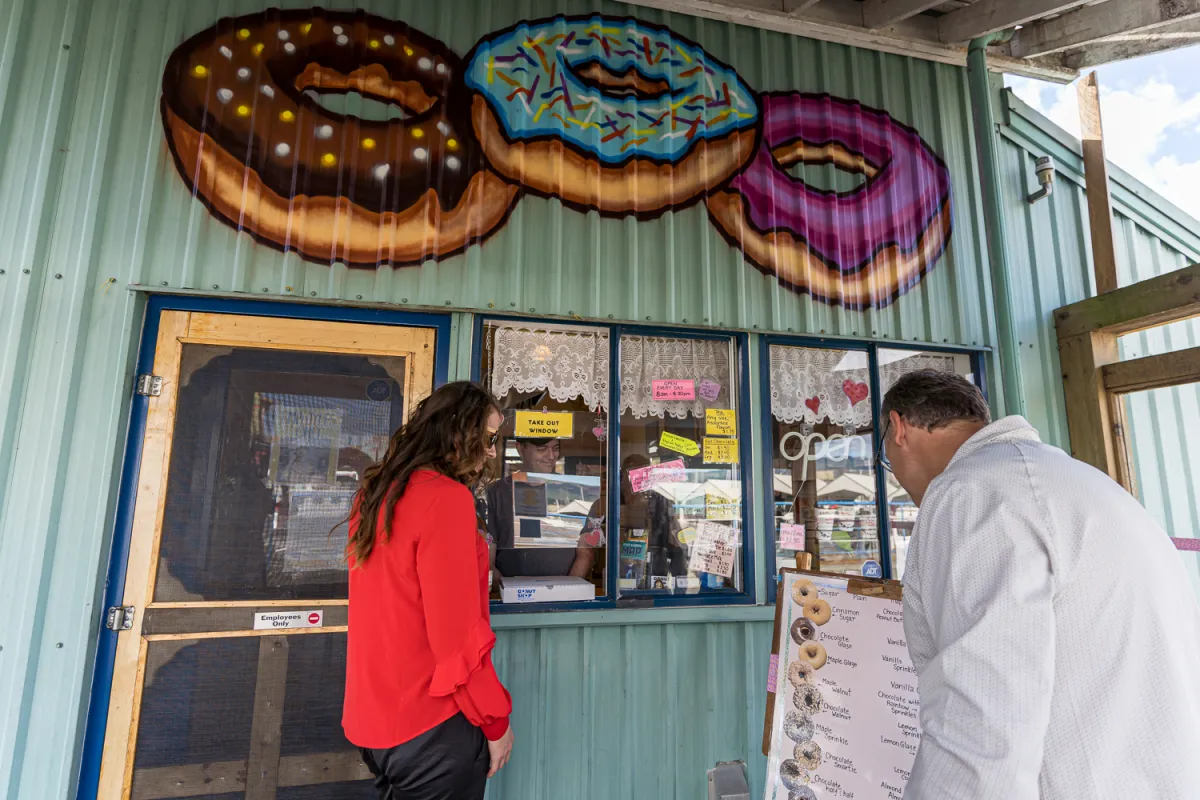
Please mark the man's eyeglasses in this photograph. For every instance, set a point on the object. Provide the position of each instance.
(881, 459)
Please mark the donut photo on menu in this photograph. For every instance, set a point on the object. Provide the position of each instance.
(241, 108)
(858, 249)
(609, 113)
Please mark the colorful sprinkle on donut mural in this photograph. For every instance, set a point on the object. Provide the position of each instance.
(606, 114)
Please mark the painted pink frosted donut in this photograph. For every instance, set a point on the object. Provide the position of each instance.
(861, 248)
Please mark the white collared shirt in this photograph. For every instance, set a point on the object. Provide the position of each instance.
(1054, 630)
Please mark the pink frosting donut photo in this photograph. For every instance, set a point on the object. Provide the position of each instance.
(857, 249)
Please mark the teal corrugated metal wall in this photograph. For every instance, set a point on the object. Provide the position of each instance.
(90, 205)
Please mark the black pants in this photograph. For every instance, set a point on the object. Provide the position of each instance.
(448, 762)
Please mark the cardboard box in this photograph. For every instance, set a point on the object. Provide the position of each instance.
(546, 590)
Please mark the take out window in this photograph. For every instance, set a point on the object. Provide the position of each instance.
(672, 526)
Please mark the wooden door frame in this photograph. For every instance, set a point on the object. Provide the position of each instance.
(1095, 379)
(286, 314)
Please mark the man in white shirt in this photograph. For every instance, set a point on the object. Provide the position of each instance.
(1050, 619)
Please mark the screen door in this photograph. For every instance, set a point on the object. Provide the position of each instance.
(229, 682)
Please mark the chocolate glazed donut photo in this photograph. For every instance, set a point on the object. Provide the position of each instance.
(254, 144)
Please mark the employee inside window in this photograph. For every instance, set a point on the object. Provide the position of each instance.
(538, 456)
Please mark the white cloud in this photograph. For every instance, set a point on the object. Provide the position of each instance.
(1136, 127)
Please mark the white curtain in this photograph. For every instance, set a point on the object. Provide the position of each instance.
(645, 359)
(565, 363)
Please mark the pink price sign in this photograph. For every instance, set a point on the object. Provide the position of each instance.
(674, 390)
(646, 478)
(791, 536)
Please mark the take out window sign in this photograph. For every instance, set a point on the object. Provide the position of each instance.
(545, 424)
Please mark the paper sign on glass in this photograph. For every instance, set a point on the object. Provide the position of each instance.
(718, 507)
(545, 425)
(634, 551)
(720, 451)
(646, 478)
(673, 390)
(791, 536)
(679, 444)
(710, 390)
(720, 422)
(713, 550)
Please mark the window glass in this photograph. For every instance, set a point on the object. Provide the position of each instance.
(681, 504)
(902, 511)
(823, 476)
(544, 513)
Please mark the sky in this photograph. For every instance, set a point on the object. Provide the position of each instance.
(1150, 109)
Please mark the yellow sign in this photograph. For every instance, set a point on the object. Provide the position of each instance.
(545, 425)
(720, 422)
(718, 507)
(687, 535)
(679, 444)
(720, 451)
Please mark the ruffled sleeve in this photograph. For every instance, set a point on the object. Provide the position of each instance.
(459, 636)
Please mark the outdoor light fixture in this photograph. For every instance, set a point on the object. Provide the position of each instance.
(1044, 167)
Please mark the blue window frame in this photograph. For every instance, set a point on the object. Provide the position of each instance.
(614, 596)
(99, 700)
(877, 563)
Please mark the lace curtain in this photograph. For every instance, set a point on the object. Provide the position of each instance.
(807, 386)
(570, 363)
(645, 359)
(565, 363)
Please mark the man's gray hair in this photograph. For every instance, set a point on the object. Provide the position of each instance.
(930, 400)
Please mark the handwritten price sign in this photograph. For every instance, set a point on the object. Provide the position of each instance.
(673, 390)
(646, 478)
(720, 451)
(720, 422)
(714, 549)
(678, 444)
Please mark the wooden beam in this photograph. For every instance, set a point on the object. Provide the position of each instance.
(1134, 45)
(1087, 25)
(222, 777)
(840, 22)
(1089, 412)
(1166, 298)
(990, 16)
(1153, 372)
(1095, 171)
(266, 727)
(794, 6)
(882, 13)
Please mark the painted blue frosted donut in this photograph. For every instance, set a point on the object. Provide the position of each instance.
(609, 113)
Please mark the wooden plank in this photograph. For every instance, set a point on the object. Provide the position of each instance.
(882, 13)
(990, 16)
(120, 737)
(168, 637)
(1087, 25)
(208, 620)
(1165, 298)
(1095, 171)
(190, 780)
(266, 728)
(1153, 372)
(840, 22)
(1089, 413)
(309, 335)
(1134, 45)
(793, 6)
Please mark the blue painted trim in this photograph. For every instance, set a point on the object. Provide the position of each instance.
(771, 554)
(106, 646)
(612, 518)
(882, 517)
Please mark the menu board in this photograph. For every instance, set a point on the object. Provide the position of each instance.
(842, 704)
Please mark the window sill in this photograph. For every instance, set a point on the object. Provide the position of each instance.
(632, 616)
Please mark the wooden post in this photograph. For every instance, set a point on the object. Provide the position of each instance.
(262, 765)
(1095, 170)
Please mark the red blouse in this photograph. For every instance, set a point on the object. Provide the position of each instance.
(419, 643)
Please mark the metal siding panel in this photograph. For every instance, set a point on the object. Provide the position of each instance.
(637, 711)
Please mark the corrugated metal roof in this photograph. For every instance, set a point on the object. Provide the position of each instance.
(90, 203)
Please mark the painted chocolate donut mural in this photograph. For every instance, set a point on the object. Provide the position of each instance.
(609, 114)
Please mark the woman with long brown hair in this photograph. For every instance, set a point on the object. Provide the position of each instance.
(423, 702)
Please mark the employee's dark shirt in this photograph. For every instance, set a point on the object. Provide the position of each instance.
(524, 561)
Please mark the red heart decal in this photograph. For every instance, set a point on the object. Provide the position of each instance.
(857, 392)
(813, 404)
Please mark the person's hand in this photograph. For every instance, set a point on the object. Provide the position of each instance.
(500, 751)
